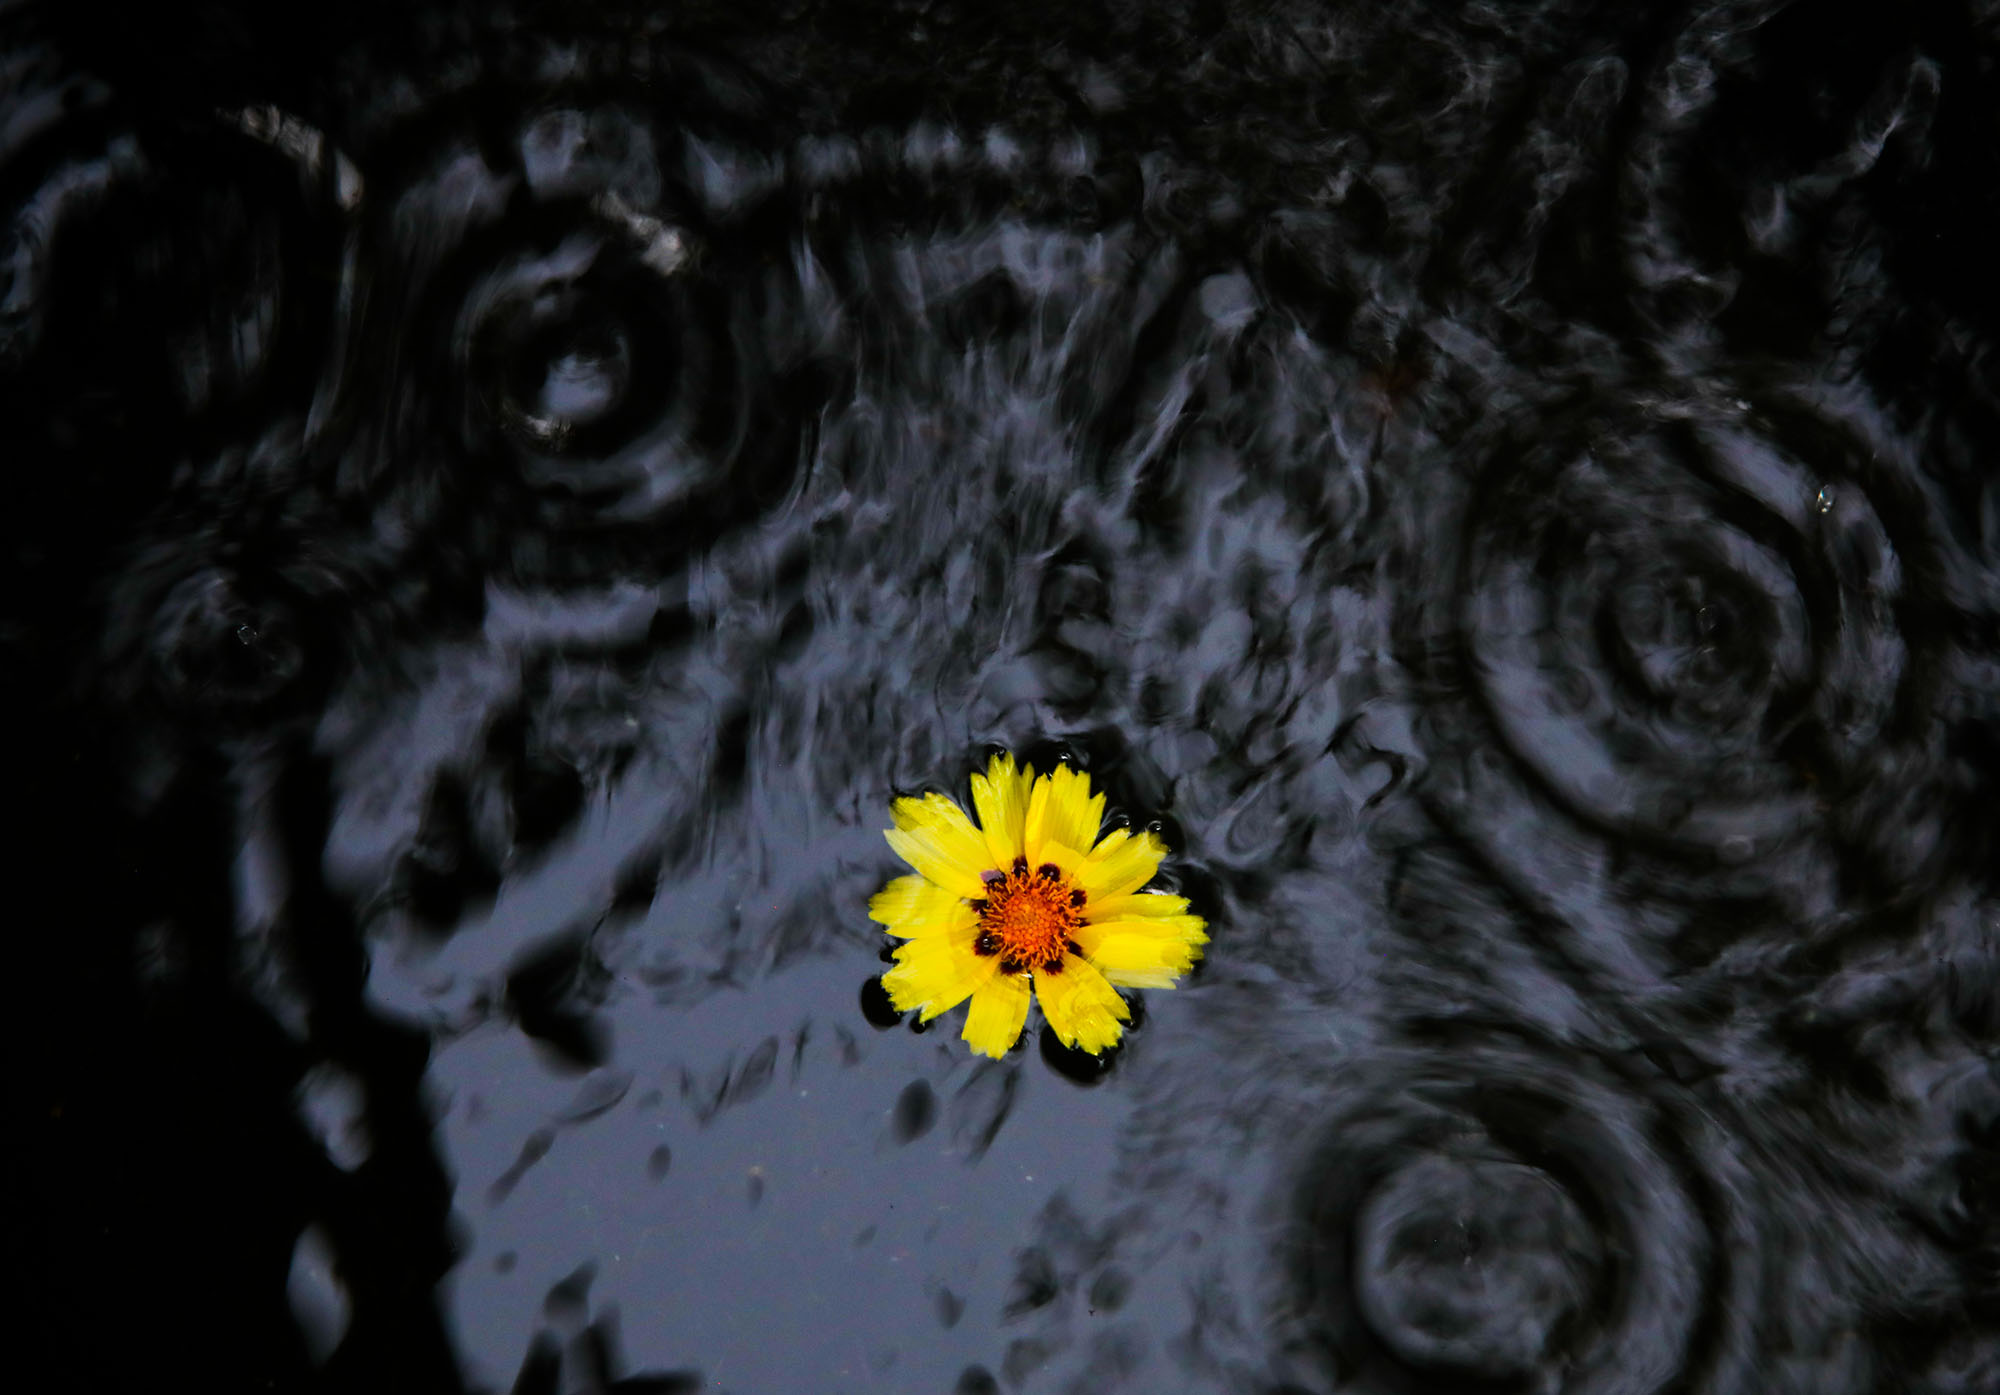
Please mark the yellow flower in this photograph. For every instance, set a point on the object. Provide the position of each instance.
(1028, 900)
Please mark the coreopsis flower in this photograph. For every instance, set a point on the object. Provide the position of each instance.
(1029, 902)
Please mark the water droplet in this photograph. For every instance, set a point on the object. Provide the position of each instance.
(1824, 501)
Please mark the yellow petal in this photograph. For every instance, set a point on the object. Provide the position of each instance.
(1064, 860)
(1189, 930)
(1082, 1007)
(934, 836)
(936, 973)
(941, 816)
(1122, 863)
(1149, 952)
(1143, 903)
(1001, 797)
(1038, 814)
(916, 905)
(1062, 810)
(999, 1011)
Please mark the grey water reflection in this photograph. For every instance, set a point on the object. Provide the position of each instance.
(500, 504)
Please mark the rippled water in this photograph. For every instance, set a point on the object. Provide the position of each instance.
(498, 503)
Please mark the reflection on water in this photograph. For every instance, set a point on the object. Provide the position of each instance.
(498, 508)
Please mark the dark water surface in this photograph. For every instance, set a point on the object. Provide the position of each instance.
(497, 503)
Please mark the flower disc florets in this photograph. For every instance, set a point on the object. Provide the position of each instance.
(1029, 918)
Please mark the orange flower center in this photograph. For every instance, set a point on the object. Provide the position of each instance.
(1028, 918)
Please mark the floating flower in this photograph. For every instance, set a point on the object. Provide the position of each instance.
(1029, 901)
